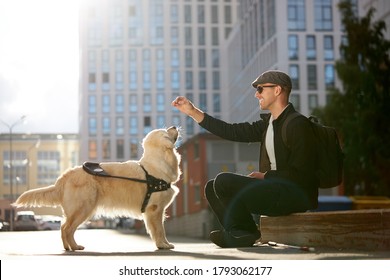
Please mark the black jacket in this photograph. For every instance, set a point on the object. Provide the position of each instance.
(295, 164)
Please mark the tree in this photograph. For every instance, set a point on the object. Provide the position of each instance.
(361, 111)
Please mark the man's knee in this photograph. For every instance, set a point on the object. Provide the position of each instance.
(221, 184)
(209, 190)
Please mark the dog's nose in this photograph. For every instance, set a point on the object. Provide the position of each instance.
(172, 127)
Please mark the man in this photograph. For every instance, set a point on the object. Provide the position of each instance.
(286, 181)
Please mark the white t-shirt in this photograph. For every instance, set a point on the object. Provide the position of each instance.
(269, 144)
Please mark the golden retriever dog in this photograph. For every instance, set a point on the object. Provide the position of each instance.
(82, 195)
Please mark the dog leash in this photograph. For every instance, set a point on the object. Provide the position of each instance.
(153, 184)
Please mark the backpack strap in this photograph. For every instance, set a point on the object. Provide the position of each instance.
(284, 126)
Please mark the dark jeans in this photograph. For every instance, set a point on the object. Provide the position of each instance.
(234, 198)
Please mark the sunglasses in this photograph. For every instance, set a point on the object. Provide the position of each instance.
(261, 88)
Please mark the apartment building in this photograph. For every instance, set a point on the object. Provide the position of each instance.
(136, 57)
(37, 161)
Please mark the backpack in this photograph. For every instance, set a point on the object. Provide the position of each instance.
(330, 154)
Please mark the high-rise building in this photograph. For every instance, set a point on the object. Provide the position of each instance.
(136, 57)
(299, 37)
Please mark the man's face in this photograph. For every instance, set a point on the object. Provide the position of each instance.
(265, 93)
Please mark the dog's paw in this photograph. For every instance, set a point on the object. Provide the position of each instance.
(77, 248)
(165, 246)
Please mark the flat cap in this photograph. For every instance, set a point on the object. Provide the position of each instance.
(274, 77)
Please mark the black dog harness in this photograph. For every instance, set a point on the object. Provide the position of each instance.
(153, 184)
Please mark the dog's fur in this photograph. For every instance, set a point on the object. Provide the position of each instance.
(82, 195)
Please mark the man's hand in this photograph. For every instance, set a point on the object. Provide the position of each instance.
(185, 106)
(257, 175)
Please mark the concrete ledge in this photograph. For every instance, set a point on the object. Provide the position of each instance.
(354, 229)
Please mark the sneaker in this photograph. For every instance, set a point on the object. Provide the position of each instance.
(234, 239)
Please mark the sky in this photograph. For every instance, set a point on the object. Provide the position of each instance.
(39, 66)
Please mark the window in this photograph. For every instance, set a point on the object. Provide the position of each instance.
(91, 70)
(311, 53)
(216, 102)
(313, 101)
(202, 57)
(201, 36)
(175, 80)
(296, 101)
(133, 69)
(329, 76)
(189, 80)
(92, 149)
(146, 79)
(92, 104)
(106, 103)
(119, 126)
(293, 47)
(133, 123)
(175, 58)
(174, 35)
(323, 15)
(189, 126)
(119, 70)
(132, 80)
(133, 108)
(147, 100)
(92, 126)
(106, 125)
(188, 58)
(328, 48)
(202, 80)
(215, 58)
(174, 13)
(214, 36)
(106, 144)
(92, 81)
(203, 102)
(187, 14)
(201, 14)
(188, 36)
(19, 175)
(160, 102)
(147, 124)
(105, 70)
(296, 15)
(294, 74)
(48, 167)
(228, 14)
(161, 121)
(311, 77)
(120, 149)
(133, 148)
(119, 103)
(216, 80)
(160, 84)
(214, 14)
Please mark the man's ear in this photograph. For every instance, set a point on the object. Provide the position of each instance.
(278, 91)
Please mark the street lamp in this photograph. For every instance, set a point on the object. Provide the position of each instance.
(10, 127)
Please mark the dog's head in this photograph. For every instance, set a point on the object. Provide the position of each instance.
(162, 138)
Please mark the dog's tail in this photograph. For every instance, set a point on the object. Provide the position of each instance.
(47, 196)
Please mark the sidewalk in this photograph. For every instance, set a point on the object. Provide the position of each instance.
(112, 244)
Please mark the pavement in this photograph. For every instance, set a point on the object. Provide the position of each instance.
(112, 254)
(113, 244)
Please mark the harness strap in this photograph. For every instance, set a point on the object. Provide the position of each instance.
(153, 184)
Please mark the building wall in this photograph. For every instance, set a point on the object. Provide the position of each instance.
(38, 159)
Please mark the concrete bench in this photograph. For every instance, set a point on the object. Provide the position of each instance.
(354, 229)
